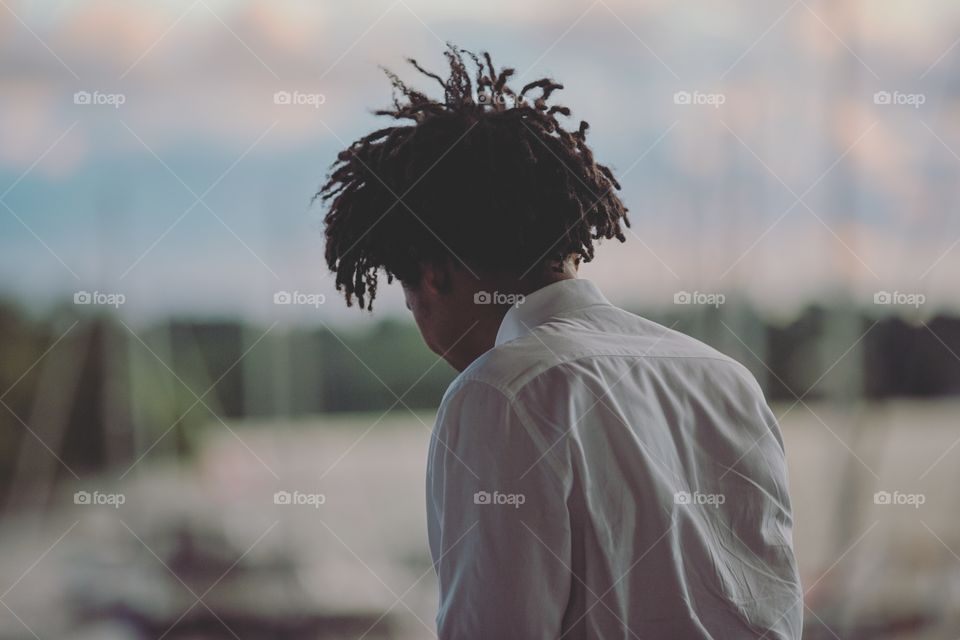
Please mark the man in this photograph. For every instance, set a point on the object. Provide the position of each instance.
(591, 474)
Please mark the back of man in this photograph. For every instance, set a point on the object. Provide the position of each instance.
(597, 475)
(591, 474)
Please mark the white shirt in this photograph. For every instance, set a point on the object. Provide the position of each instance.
(597, 475)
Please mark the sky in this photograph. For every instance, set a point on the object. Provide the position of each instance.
(144, 150)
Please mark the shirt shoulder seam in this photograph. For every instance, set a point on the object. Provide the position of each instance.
(512, 394)
(461, 384)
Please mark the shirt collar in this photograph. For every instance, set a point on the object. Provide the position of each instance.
(546, 303)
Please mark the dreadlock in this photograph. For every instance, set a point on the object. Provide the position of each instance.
(486, 177)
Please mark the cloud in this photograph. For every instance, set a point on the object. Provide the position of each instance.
(199, 90)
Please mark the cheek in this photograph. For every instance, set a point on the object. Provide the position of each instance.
(419, 312)
(428, 330)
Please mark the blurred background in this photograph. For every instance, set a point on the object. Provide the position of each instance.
(199, 440)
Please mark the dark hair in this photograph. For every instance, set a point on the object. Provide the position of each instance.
(486, 177)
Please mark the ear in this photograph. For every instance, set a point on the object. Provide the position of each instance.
(436, 278)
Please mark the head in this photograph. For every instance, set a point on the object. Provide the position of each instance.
(479, 191)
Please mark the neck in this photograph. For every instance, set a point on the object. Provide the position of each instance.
(486, 319)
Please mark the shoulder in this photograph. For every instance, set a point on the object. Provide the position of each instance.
(607, 333)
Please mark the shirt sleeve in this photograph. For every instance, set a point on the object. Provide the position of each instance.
(498, 524)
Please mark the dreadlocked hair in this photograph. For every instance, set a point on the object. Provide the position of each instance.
(486, 178)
